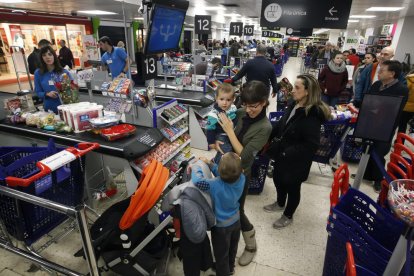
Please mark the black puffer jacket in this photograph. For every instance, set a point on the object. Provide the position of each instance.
(299, 143)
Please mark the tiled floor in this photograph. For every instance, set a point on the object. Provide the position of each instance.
(296, 250)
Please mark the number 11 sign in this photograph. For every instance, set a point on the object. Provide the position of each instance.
(236, 28)
(202, 24)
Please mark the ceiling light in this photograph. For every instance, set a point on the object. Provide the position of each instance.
(385, 9)
(97, 12)
(353, 21)
(139, 18)
(231, 14)
(362, 16)
(215, 8)
(14, 1)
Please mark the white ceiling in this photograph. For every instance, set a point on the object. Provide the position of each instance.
(246, 8)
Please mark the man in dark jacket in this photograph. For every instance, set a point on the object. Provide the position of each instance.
(388, 84)
(33, 59)
(65, 55)
(259, 69)
(369, 75)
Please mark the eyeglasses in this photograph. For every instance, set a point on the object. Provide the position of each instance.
(249, 106)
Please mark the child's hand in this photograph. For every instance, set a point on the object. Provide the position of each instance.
(205, 160)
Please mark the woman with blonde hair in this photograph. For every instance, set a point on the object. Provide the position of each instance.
(294, 141)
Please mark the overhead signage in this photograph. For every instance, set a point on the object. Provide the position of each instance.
(330, 14)
(271, 34)
(249, 30)
(302, 32)
(271, 28)
(202, 24)
(236, 28)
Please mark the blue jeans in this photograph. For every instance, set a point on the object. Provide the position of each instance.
(330, 100)
(225, 147)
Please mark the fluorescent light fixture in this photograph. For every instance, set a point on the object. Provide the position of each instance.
(14, 1)
(97, 12)
(321, 31)
(214, 8)
(139, 18)
(362, 16)
(385, 9)
(353, 21)
(231, 15)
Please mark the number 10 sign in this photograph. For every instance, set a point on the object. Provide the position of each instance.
(202, 24)
(236, 28)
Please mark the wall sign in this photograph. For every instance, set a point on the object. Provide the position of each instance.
(249, 30)
(302, 32)
(298, 13)
(202, 24)
(271, 34)
(236, 28)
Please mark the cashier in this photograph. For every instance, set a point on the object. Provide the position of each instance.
(46, 76)
(115, 58)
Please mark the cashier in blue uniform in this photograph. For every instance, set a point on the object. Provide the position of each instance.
(46, 76)
(115, 58)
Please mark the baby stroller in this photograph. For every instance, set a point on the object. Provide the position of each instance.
(123, 235)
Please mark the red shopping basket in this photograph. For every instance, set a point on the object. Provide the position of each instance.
(49, 172)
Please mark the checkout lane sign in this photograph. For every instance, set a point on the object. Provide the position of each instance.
(332, 14)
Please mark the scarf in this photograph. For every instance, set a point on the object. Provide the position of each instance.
(247, 122)
(337, 69)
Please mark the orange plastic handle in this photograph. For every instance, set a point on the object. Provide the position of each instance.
(84, 148)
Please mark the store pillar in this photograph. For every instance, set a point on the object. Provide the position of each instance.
(403, 41)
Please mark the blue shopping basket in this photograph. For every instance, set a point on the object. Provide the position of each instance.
(351, 150)
(258, 175)
(372, 231)
(37, 171)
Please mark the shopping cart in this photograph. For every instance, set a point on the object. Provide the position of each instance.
(51, 173)
(357, 219)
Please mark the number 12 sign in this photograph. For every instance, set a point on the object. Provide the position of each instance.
(236, 28)
(202, 24)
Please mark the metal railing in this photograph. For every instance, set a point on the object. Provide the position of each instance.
(77, 213)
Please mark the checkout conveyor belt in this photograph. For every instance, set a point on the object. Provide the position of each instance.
(129, 148)
(184, 97)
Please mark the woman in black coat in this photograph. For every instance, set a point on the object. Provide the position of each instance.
(299, 134)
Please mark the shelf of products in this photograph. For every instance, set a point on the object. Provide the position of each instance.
(164, 152)
(174, 114)
(173, 133)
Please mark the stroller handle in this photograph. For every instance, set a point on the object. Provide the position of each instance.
(52, 163)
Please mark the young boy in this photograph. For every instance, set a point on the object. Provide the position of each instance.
(224, 103)
(225, 191)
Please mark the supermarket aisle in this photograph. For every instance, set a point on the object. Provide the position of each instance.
(296, 250)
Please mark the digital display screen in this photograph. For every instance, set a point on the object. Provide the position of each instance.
(377, 118)
(166, 27)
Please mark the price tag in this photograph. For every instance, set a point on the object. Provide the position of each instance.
(236, 28)
(249, 30)
(202, 24)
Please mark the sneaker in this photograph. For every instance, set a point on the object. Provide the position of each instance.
(274, 207)
(377, 187)
(282, 222)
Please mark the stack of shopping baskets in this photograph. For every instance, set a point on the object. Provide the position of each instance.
(356, 218)
(51, 173)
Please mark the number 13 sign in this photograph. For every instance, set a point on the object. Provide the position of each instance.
(202, 24)
(236, 28)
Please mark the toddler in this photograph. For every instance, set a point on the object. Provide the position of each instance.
(224, 103)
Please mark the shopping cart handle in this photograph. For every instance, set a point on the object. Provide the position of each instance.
(52, 163)
(340, 183)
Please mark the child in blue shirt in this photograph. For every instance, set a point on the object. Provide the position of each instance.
(224, 103)
(225, 191)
